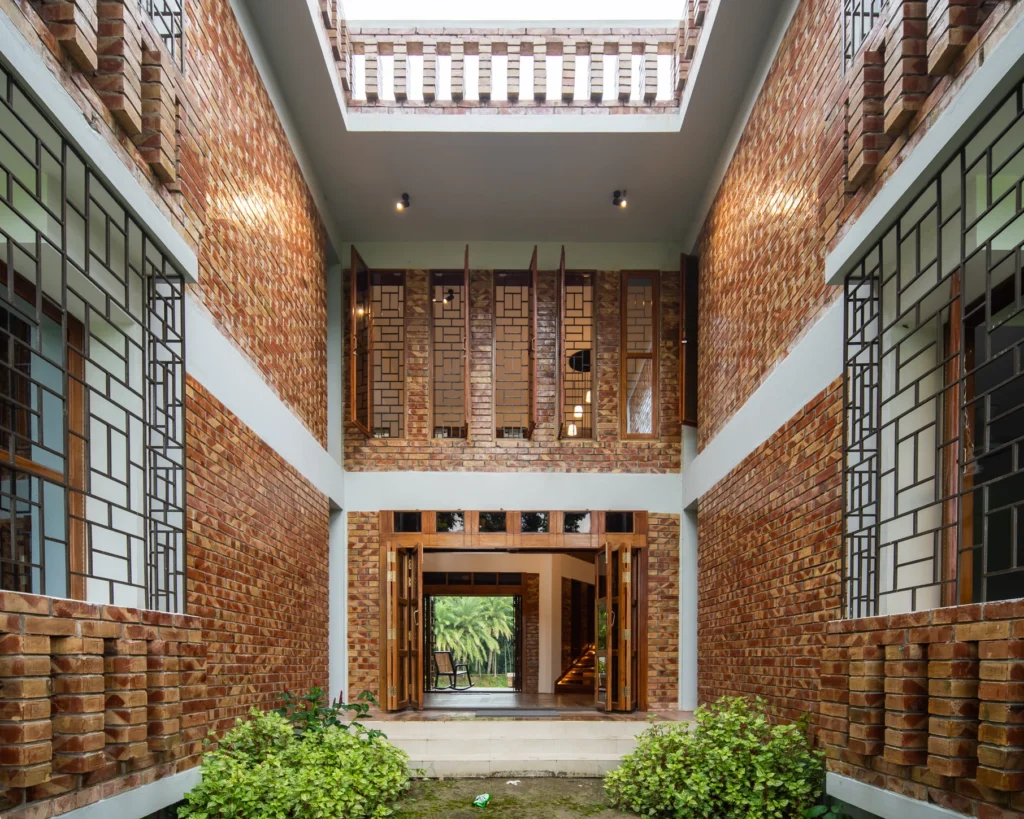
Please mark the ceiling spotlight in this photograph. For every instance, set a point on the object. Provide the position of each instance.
(403, 203)
(619, 199)
(449, 297)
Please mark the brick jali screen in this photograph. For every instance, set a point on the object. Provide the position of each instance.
(578, 355)
(513, 354)
(388, 307)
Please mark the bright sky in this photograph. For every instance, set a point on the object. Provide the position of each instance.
(519, 10)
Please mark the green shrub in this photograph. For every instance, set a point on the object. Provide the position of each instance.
(310, 712)
(732, 763)
(264, 768)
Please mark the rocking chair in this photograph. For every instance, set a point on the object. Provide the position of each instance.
(445, 667)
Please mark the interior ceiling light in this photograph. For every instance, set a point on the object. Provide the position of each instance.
(403, 203)
(619, 198)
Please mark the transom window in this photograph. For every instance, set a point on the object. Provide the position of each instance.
(934, 364)
(92, 482)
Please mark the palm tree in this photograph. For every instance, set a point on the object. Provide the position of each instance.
(475, 629)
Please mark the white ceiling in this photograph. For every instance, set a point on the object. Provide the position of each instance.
(440, 10)
(537, 187)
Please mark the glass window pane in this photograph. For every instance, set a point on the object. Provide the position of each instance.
(576, 523)
(408, 522)
(448, 522)
(534, 522)
(492, 522)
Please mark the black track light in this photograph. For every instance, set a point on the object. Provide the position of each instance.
(403, 203)
(619, 198)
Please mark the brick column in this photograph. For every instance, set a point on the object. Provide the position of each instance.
(951, 26)
(118, 78)
(195, 704)
(906, 64)
(540, 71)
(73, 24)
(953, 708)
(163, 698)
(124, 667)
(401, 71)
(867, 141)
(157, 142)
(484, 82)
(834, 708)
(568, 71)
(78, 738)
(458, 52)
(625, 71)
(595, 86)
(25, 728)
(429, 70)
(867, 698)
(370, 71)
(514, 50)
(906, 704)
(1001, 694)
(650, 63)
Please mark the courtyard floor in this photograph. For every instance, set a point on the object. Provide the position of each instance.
(539, 798)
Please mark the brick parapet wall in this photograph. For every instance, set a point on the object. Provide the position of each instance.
(546, 451)
(769, 564)
(818, 146)
(207, 145)
(257, 544)
(94, 701)
(930, 705)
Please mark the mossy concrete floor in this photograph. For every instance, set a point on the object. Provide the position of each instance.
(537, 798)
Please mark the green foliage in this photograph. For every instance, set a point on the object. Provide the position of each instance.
(834, 811)
(310, 712)
(270, 768)
(477, 630)
(733, 763)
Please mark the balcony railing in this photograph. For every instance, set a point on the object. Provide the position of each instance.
(514, 70)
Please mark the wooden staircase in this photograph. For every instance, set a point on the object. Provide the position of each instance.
(579, 677)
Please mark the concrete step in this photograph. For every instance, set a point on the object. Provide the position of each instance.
(481, 747)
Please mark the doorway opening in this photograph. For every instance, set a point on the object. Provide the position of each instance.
(472, 626)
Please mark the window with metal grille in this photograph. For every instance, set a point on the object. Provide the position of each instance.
(578, 365)
(92, 415)
(168, 18)
(859, 17)
(934, 388)
(638, 390)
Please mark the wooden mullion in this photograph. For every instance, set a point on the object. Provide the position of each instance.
(467, 347)
(560, 354)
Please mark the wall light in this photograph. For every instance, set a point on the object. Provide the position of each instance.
(586, 398)
(619, 198)
(403, 203)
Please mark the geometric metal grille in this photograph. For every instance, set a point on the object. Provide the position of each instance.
(388, 354)
(859, 17)
(934, 388)
(578, 356)
(448, 338)
(168, 18)
(639, 363)
(92, 432)
(513, 344)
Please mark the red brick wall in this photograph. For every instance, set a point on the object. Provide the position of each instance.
(663, 611)
(257, 563)
(531, 637)
(789, 193)
(545, 452)
(94, 701)
(364, 649)
(236, 191)
(931, 705)
(769, 564)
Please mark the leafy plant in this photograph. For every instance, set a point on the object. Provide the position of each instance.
(271, 768)
(479, 631)
(834, 811)
(310, 712)
(733, 763)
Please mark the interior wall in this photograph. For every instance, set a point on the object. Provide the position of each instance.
(550, 568)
